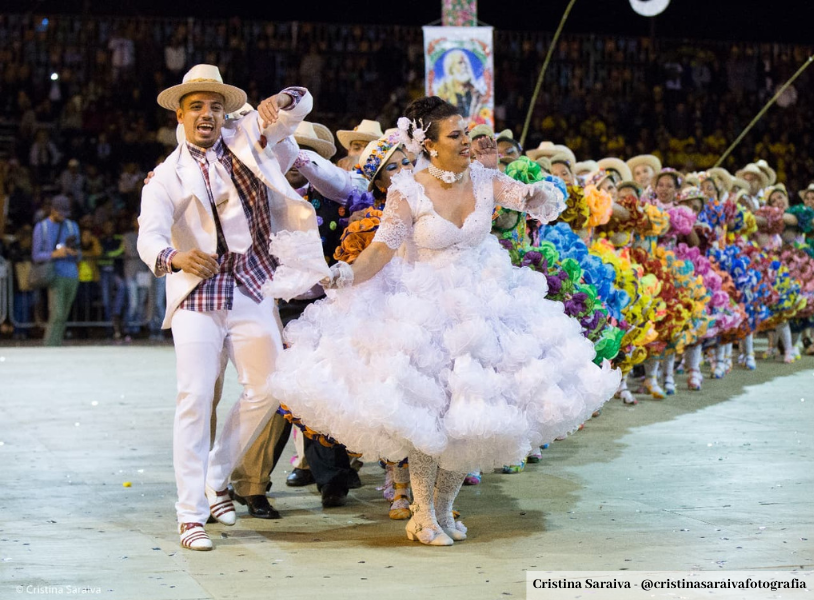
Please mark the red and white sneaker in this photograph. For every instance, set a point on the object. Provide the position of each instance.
(194, 537)
(221, 507)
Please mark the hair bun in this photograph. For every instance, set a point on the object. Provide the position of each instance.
(421, 107)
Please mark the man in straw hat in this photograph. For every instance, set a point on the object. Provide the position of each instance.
(207, 217)
(644, 168)
(356, 140)
(757, 180)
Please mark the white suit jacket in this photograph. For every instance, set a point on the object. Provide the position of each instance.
(175, 207)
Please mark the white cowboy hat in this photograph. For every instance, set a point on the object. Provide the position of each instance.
(203, 78)
(755, 170)
(366, 131)
(549, 149)
(723, 177)
(645, 159)
(802, 193)
(317, 137)
(740, 183)
(585, 167)
(378, 152)
(618, 165)
(770, 173)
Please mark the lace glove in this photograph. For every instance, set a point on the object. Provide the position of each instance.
(341, 277)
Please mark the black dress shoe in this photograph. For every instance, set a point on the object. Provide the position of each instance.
(259, 506)
(354, 483)
(333, 496)
(299, 478)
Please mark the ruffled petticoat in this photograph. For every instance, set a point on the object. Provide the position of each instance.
(461, 357)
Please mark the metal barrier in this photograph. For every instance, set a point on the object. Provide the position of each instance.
(5, 287)
(27, 308)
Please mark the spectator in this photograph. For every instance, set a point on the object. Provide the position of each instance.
(72, 182)
(111, 279)
(19, 254)
(56, 239)
(88, 269)
(138, 280)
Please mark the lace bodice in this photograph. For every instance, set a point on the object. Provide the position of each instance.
(426, 234)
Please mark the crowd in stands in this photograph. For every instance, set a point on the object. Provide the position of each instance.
(78, 115)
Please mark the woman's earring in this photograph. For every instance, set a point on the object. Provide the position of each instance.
(434, 153)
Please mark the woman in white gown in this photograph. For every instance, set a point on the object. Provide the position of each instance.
(441, 350)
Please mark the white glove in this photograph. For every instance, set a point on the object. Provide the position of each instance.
(341, 277)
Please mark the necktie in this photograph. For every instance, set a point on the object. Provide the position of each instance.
(233, 219)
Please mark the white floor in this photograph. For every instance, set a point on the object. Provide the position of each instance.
(718, 480)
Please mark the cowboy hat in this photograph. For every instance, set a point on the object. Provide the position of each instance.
(203, 78)
(317, 137)
(740, 183)
(630, 184)
(375, 156)
(754, 170)
(692, 180)
(549, 149)
(366, 131)
(645, 159)
(586, 166)
(770, 173)
(778, 187)
(479, 131)
(618, 165)
(802, 193)
(545, 163)
(723, 177)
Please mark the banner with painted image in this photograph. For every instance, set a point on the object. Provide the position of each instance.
(459, 68)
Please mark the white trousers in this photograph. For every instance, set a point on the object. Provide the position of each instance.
(251, 336)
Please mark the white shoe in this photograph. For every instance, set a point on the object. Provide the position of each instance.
(458, 533)
(427, 535)
(194, 537)
(221, 507)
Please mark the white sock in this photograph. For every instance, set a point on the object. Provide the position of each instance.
(784, 333)
(749, 344)
(447, 487)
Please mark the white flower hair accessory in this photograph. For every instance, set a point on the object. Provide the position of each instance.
(412, 141)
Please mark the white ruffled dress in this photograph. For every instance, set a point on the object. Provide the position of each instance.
(449, 349)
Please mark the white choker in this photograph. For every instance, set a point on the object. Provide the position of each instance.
(445, 176)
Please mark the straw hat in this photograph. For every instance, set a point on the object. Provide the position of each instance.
(366, 131)
(692, 180)
(203, 78)
(586, 166)
(779, 187)
(645, 159)
(770, 173)
(618, 165)
(545, 163)
(755, 170)
(598, 178)
(559, 157)
(740, 183)
(481, 130)
(802, 193)
(630, 184)
(317, 137)
(723, 178)
(690, 193)
(375, 156)
(549, 149)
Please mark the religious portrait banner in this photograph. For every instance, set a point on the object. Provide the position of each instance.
(459, 68)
